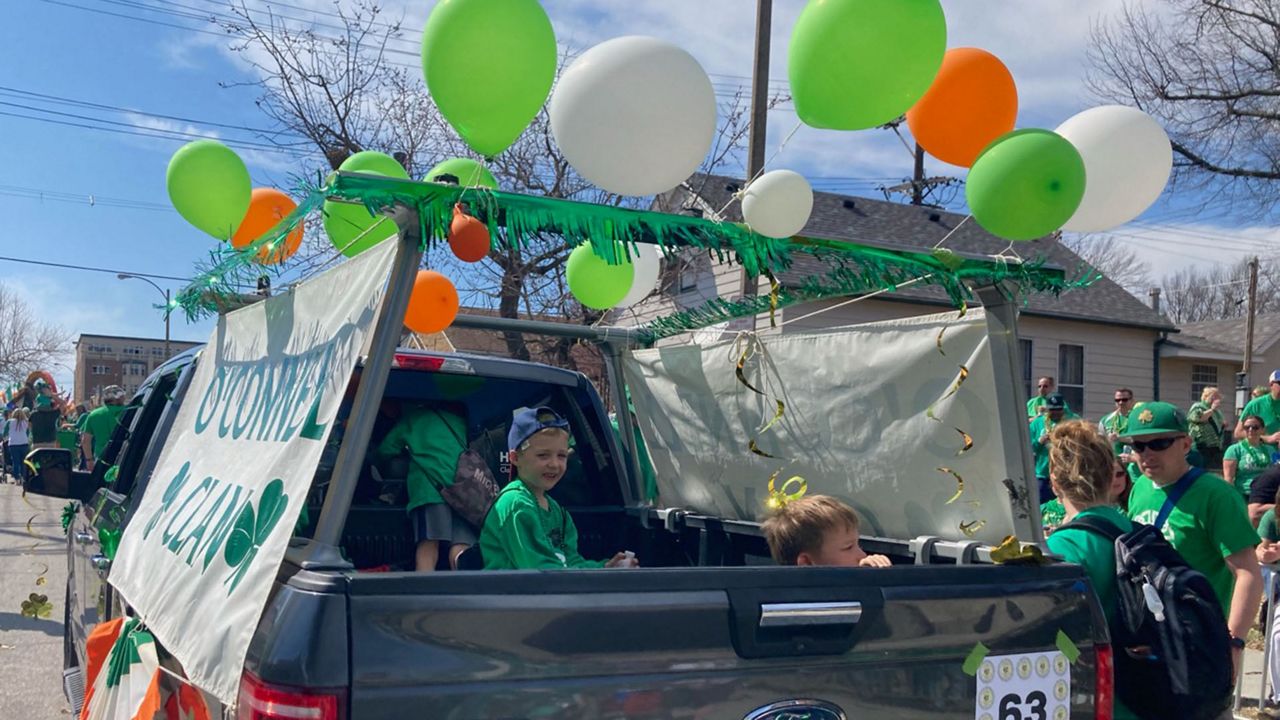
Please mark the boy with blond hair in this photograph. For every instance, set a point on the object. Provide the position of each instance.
(527, 529)
(817, 530)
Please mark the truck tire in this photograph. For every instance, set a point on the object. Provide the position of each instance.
(69, 659)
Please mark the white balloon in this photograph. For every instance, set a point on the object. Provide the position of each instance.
(648, 263)
(1127, 161)
(778, 203)
(634, 115)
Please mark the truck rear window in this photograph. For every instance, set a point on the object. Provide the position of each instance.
(378, 532)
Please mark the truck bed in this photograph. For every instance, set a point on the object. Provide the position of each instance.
(672, 642)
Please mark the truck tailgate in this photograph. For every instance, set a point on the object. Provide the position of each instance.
(708, 643)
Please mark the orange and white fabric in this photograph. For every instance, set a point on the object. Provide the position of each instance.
(125, 683)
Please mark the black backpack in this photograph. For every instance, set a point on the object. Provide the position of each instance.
(1175, 662)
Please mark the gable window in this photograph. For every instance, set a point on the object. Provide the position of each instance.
(1202, 376)
(1024, 360)
(1071, 376)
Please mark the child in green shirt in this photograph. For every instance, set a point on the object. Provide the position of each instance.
(527, 529)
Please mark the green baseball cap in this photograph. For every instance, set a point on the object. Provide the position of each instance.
(1155, 418)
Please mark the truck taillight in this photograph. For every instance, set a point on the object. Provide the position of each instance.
(407, 361)
(262, 701)
(1104, 684)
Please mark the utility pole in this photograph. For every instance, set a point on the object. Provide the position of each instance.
(1253, 310)
(759, 117)
(917, 178)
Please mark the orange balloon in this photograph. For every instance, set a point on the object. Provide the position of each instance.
(468, 237)
(433, 304)
(267, 207)
(973, 101)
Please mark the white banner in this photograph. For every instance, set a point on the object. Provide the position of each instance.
(875, 414)
(202, 550)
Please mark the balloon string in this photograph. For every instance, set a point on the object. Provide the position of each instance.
(859, 298)
(953, 231)
(738, 195)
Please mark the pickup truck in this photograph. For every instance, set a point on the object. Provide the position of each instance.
(708, 628)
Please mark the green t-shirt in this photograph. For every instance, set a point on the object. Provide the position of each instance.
(1041, 426)
(1250, 462)
(1208, 523)
(1267, 529)
(434, 439)
(1097, 556)
(1115, 422)
(1204, 425)
(520, 535)
(101, 423)
(1037, 402)
(1052, 514)
(1265, 408)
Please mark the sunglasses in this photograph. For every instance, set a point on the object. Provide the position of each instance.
(1156, 445)
(1252, 427)
(1121, 400)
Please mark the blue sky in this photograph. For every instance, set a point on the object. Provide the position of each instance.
(66, 51)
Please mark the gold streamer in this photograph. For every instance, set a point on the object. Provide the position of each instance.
(968, 442)
(971, 528)
(781, 409)
(1012, 552)
(774, 287)
(959, 484)
(778, 499)
(940, 332)
(928, 412)
(738, 371)
(31, 532)
(955, 388)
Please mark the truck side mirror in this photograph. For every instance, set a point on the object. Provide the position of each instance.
(50, 473)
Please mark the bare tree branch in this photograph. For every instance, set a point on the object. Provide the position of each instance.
(27, 341)
(1207, 71)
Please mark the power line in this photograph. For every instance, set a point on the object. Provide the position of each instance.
(94, 269)
(79, 199)
(214, 18)
(60, 100)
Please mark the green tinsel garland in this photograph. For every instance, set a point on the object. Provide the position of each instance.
(613, 232)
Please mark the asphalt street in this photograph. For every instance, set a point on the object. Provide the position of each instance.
(32, 547)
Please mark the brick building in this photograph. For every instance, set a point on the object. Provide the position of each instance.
(103, 360)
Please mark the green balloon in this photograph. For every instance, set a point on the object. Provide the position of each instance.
(344, 222)
(856, 64)
(209, 186)
(595, 282)
(489, 65)
(1026, 184)
(376, 163)
(469, 173)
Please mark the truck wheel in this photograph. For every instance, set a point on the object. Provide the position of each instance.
(69, 659)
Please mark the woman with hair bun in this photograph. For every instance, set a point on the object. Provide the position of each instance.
(1082, 471)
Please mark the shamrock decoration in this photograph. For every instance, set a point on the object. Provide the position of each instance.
(37, 606)
(1145, 416)
(251, 531)
(68, 516)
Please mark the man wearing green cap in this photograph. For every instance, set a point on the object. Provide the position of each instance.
(1207, 522)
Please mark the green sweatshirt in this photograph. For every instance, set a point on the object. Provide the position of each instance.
(434, 441)
(520, 535)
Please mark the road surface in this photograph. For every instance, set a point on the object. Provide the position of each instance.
(31, 547)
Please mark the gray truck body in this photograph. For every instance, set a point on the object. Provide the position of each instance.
(708, 629)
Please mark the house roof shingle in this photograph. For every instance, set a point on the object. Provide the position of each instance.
(892, 225)
(1230, 334)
